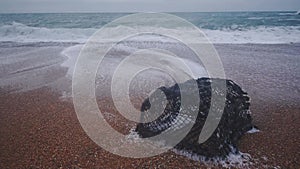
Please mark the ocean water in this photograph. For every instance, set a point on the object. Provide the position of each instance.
(256, 68)
(220, 27)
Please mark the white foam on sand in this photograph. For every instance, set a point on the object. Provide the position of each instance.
(141, 84)
(239, 160)
(73, 52)
(253, 130)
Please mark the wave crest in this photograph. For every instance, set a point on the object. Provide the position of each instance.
(18, 32)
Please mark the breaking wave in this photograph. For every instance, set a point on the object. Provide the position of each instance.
(18, 32)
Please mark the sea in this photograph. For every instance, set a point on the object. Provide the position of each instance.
(259, 51)
(220, 27)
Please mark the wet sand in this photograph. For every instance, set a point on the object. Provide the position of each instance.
(39, 127)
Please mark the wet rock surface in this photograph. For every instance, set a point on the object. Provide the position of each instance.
(235, 120)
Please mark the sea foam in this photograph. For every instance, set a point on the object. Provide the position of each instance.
(18, 32)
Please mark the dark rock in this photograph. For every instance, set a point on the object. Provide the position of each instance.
(235, 121)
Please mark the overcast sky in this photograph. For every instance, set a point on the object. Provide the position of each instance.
(146, 5)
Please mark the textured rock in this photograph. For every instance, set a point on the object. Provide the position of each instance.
(235, 121)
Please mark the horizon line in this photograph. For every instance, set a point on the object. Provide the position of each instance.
(148, 11)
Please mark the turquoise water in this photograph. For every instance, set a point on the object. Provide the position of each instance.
(220, 27)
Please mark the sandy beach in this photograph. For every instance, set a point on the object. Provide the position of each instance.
(39, 127)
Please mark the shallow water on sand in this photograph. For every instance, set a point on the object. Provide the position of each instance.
(266, 72)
